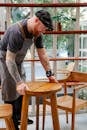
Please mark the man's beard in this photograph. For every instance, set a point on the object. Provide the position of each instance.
(35, 32)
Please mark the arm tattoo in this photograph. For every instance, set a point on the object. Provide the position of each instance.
(12, 68)
(45, 62)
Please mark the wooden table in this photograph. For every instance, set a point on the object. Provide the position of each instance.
(41, 89)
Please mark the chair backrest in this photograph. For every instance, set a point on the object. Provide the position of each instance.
(75, 77)
(64, 73)
(78, 76)
(70, 66)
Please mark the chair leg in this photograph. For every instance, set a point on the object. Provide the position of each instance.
(8, 127)
(44, 112)
(12, 124)
(67, 117)
(73, 121)
(9, 123)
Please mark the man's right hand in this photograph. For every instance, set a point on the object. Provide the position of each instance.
(21, 88)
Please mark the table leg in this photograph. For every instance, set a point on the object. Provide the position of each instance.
(54, 110)
(24, 113)
(44, 113)
(37, 113)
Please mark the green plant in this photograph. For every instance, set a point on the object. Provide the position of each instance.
(82, 94)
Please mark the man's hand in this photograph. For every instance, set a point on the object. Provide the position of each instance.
(21, 88)
(52, 79)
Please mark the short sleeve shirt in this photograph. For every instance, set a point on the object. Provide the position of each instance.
(14, 41)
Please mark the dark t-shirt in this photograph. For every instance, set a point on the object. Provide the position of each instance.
(14, 41)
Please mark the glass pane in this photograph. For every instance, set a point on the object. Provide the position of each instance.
(85, 42)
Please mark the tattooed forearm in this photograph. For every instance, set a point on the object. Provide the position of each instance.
(12, 68)
(45, 63)
(44, 58)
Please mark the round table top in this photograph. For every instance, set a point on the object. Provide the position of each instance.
(42, 87)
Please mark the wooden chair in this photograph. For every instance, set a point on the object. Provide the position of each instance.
(70, 103)
(6, 114)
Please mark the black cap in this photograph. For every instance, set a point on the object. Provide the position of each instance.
(45, 18)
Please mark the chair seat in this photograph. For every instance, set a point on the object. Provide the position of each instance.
(65, 102)
(5, 110)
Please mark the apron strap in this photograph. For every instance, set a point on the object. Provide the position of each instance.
(22, 30)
